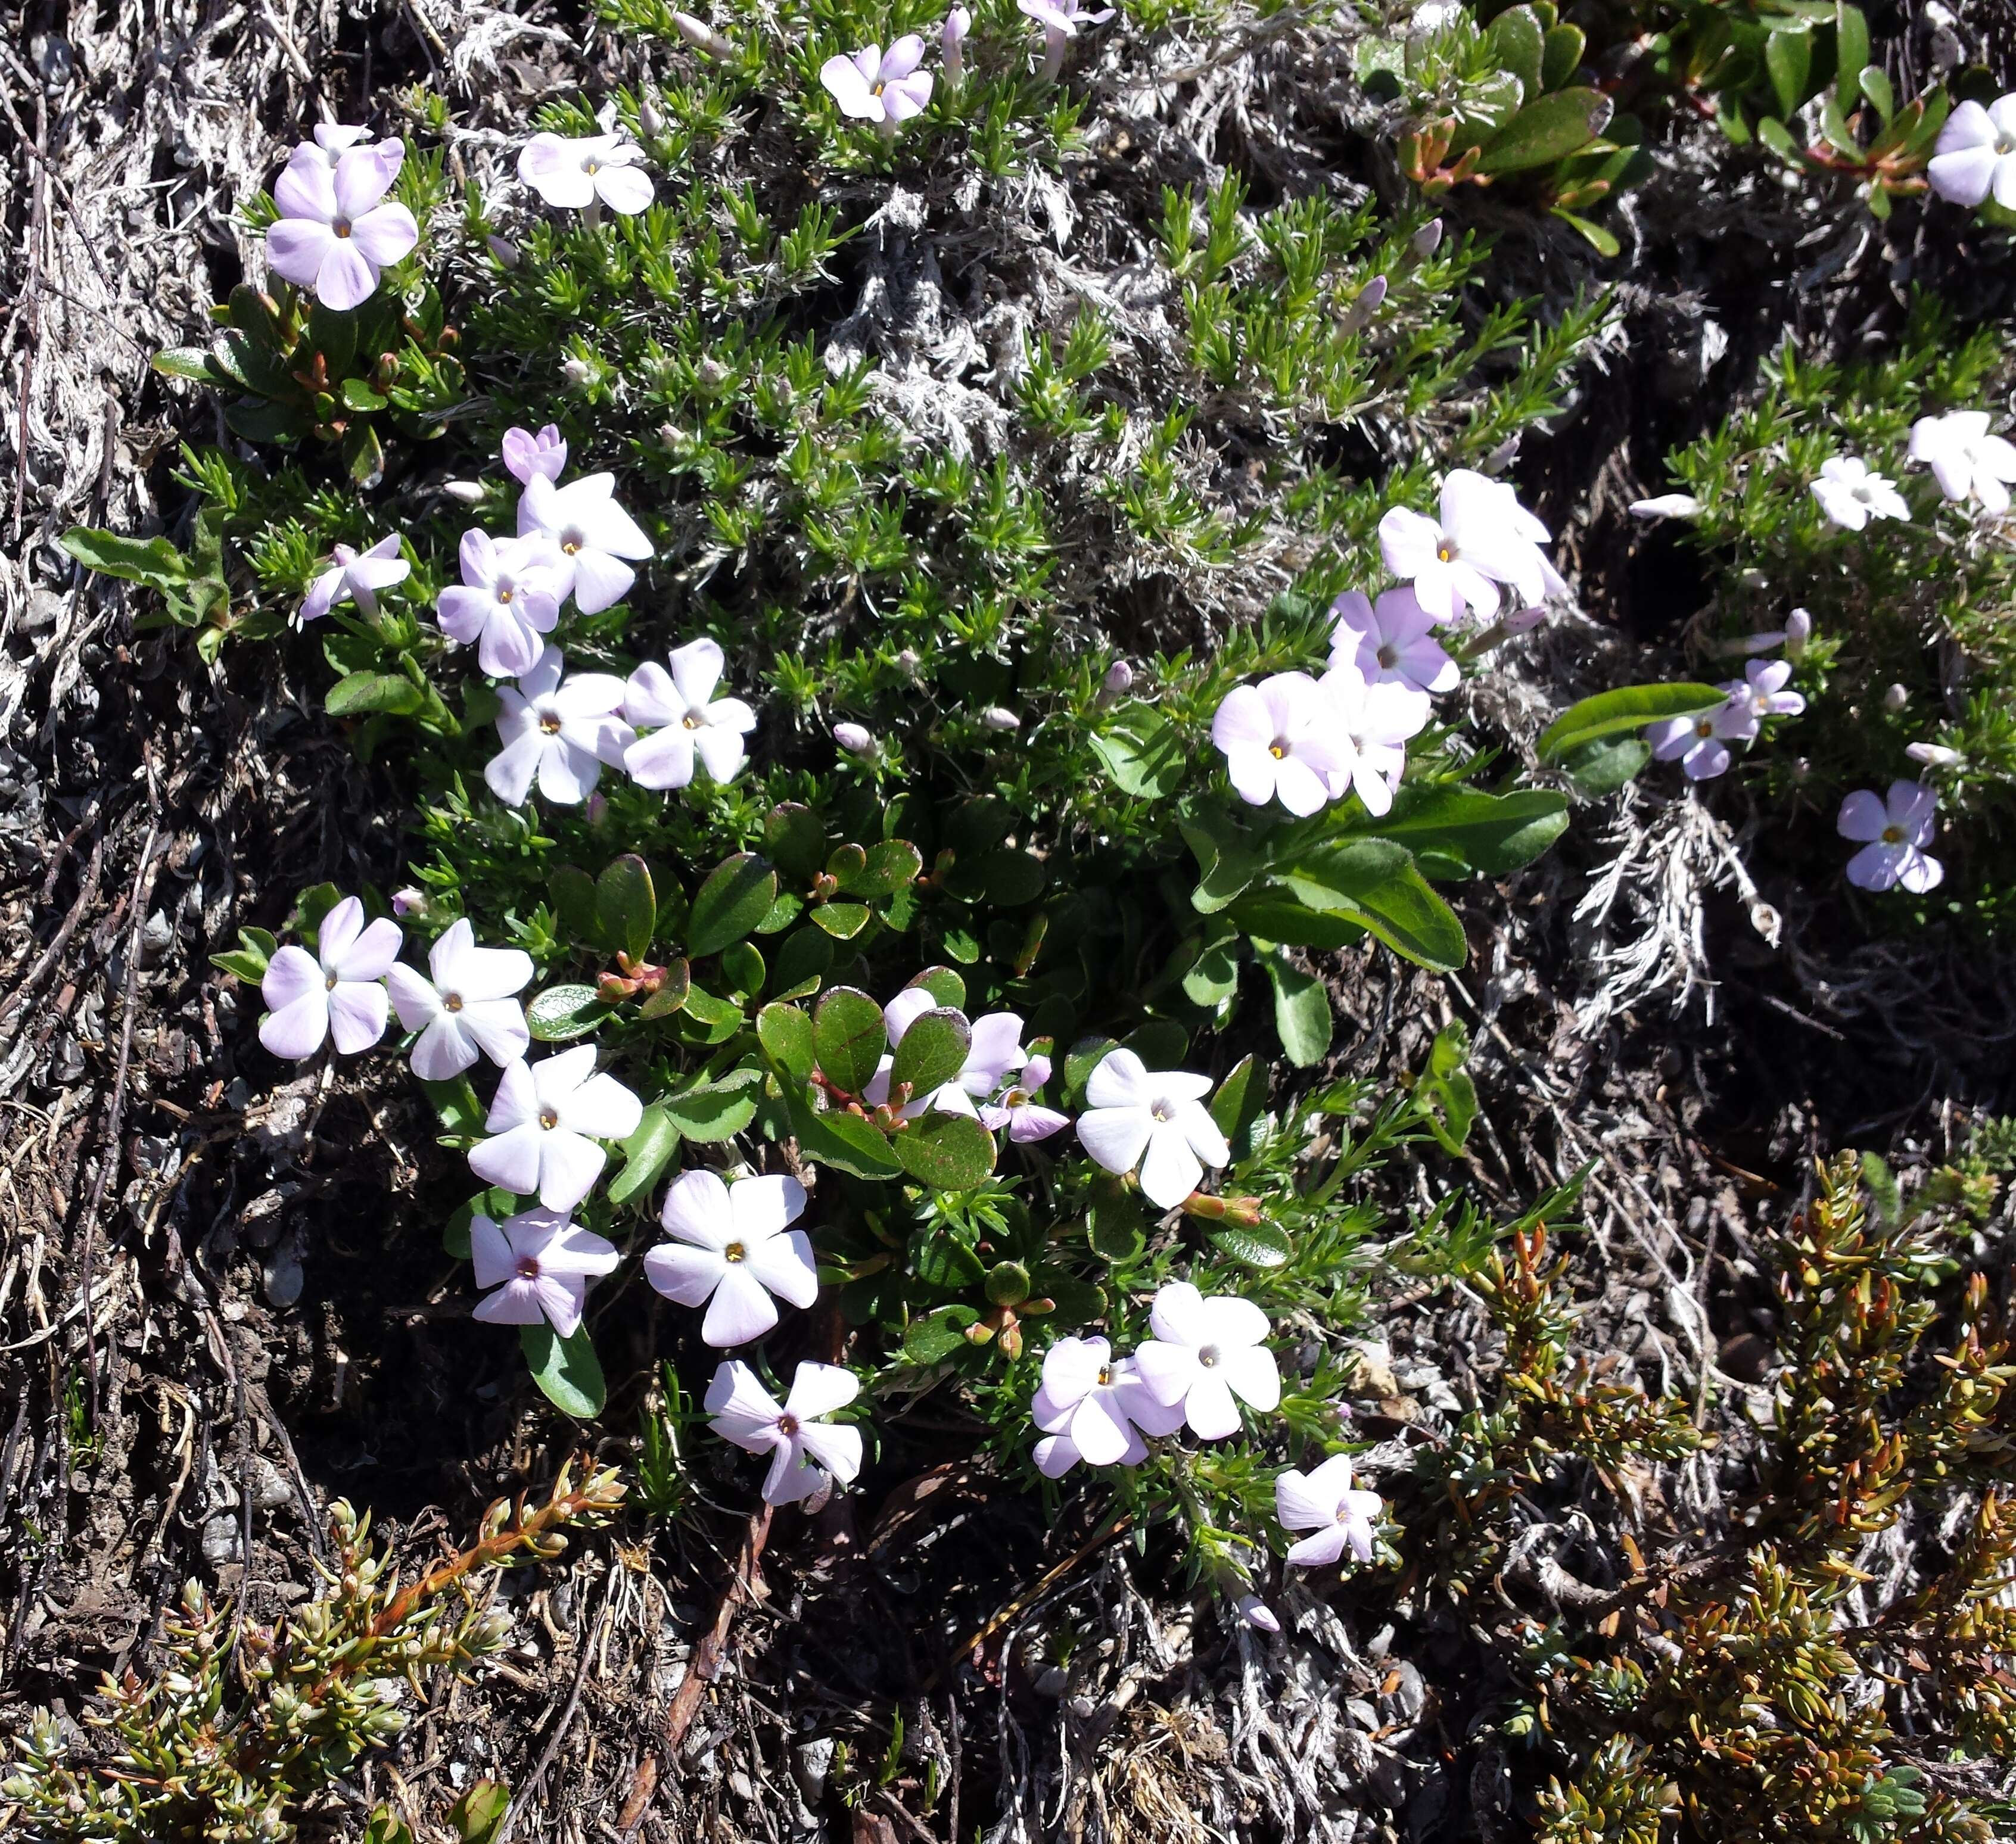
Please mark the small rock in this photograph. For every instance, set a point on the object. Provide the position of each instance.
(1052, 1681)
(812, 1762)
(221, 1540)
(284, 1276)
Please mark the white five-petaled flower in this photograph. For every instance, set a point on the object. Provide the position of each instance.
(1763, 689)
(336, 992)
(1893, 833)
(356, 577)
(594, 534)
(1481, 538)
(1976, 154)
(332, 140)
(733, 1247)
(805, 1451)
(544, 1122)
(575, 171)
(1325, 1503)
(1967, 461)
(1205, 1351)
(559, 734)
(525, 454)
(507, 601)
(1281, 742)
(1379, 720)
(993, 1048)
(1700, 743)
(1155, 1118)
(1851, 495)
(464, 1006)
(1016, 1108)
(539, 1262)
(1391, 641)
(885, 87)
(333, 235)
(1093, 1407)
(1060, 20)
(676, 703)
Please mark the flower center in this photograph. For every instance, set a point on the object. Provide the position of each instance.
(1704, 726)
(549, 721)
(340, 226)
(1388, 655)
(1891, 835)
(787, 1424)
(690, 721)
(528, 1268)
(1162, 1110)
(1016, 1097)
(571, 541)
(1278, 749)
(504, 592)
(328, 982)
(735, 1252)
(548, 1119)
(1208, 1357)
(1105, 1374)
(452, 1001)
(590, 166)
(1445, 551)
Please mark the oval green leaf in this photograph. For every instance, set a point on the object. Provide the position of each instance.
(848, 1038)
(1627, 708)
(736, 896)
(933, 1051)
(562, 1012)
(947, 1151)
(567, 1369)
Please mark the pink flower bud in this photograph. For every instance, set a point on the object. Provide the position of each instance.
(994, 717)
(1428, 238)
(957, 22)
(1933, 755)
(1256, 1613)
(1119, 678)
(598, 807)
(470, 492)
(853, 739)
(650, 123)
(701, 36)
(504, 250)
(408, 901)
(1798, 630)
(1895, 698)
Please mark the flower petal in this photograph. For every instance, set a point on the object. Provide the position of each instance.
(742, 1310)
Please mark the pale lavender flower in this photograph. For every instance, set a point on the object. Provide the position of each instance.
(544, 1124)
(951, 43)
(332, 140)
(1324, 1502)
(1762, 688)
(885, 87)
(464, 1006)
(1975, 154)
(333, 234)
(408, 901)
(733, 1249)
(1060, 20)
(557, 734)
(1700, 744)
(1893, 833)
(1094, 1408)
(1968, 461)
(1934, 755)
(540, 1262)
(1152, 1118)
(594, 534)
(1280, 741)
(1427, 239)
(338, 992)
(1205, 1351)
(354, 576)
(676, 703)
(1378, 720)
(807, 1453)
(525, 453)
(1390, 642)
(1482, 538)
(994, 1047)
(573, 172)
(508, 601)
(1851, 495)
(1016, 1108)
(1119, 679)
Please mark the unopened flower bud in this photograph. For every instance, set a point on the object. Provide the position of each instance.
(408, 901)
(1362, 310)
(1802, 771)
(505, 250)
(853, 739)
(470, 492)
(1521, 619)
(1256, 1613)
(1428, 238)
(598, 807)
(951, 41)
(1895, 698)
(1934, 755)
(650, 123)
(1667, 506)
(994, 717)
(701, 36)
(577, 371)
(1798, 630)
(1119, 678)
(907, 662)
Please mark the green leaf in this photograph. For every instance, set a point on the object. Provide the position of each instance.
(945, 984)
(1601, 768)
(1545, 130)
(626, 907)
(1302, 1011)
(1335, 873)
(1561, 55)
(942, 1257)
(845, 1141)
(1007, 1284)
(705, 1111)
(802, 961)
(1597, 237)
(1083, 1057)
(786, 1034)
(571, 891)
(1776, 136)
(736, 896)
(455, 1104)
(1876, 86)
(842, 920)
(192, 362)
(673, 991)
(562, 1012)
(1260, 1245)
(1491, 835)
(391, 692)
(947, 1151)
(742, 966)
(1010, 879)
(498, 1206)
(1416, 923)
(1269, 916)
(646, 1155)
(1629, 707)
(1851, 47)
(358, 396)
(932, 1052)
(249, 959)
(1514, 41)
(795, 839)
(1789, 61)
(939, 1335)
(1142, 751)
(153, 561)
(893, 865)
(849, 1036)
(566, 1369)
(1116, 1228)
(1213, 976)
(1239, 1100)
(479, 1815)
(1227, 861)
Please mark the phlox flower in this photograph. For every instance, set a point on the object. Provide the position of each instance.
(1967, 461)
(544, 1125)
(464, 1006)
(354, 576)
(1851, 495)
(1380, 721)
(1205, 1351)
(1392, 641)
(332, 140)
(1016, 1109)
(805, 1451)
(525, 454)
(508, 600)
(577, 171)
(1699, 743)
(1281, 742)
(1254, 1612)
(994, 1047)
(951, 43)
(333, 234)
(558, 734)
(1975, 154)
(885, 87)
(1482, 538)
(676, 703)
(1093, 1407)
(1325, 1503)
(594, 534)
(540, 1262)
(733, 1248)
(1152, 1118)
(1893, 833)
(336, 992)
(1762, 689)
(1060, 20)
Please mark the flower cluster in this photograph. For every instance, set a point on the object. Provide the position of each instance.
(1700, 744)
(335, 233)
